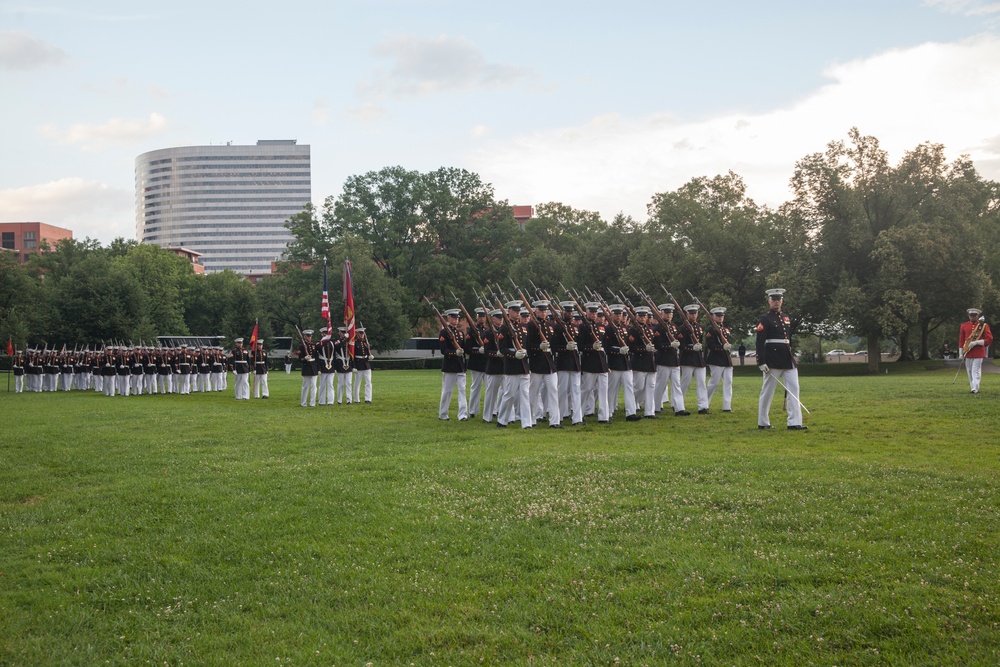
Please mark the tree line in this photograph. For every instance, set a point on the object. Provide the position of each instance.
(885, 252)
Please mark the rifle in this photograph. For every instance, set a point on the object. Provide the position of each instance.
(472, 322)
(715, 325)
(607, 315)
(538, 323)
(655, 310)
(634, 316)
(506, 320)
(562, 325)
(680, 310)
(444, 325)
(580, 309)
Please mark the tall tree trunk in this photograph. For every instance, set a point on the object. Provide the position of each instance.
(925, 335)
(904, 345)
(874, 356)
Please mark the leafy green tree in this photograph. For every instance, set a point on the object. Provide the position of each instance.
(222, 304)
(291, 296)
(709, 238)
(19, 299)
(851, 198)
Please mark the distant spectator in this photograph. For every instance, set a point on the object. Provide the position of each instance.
(743, 352)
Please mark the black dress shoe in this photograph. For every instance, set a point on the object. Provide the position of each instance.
(727, 410)
(763, 427)
(633, 418)
(704, 411)
(800, 427)
(555, 425)
(499, 425)
(681, 413)
(650, 416)
(603, 421)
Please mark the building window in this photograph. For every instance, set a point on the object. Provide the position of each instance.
(7, 240)
(30, 241)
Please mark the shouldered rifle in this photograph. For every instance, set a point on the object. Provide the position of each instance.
(608, 315)
(656, 312)
(444, 325)
(683, 314)
(527, 304)
(472, 322)
(634, 317)
(581, 310)
(562, 325)
(510, 325)
(711, 319)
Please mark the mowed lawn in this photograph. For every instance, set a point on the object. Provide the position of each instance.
(196, 530)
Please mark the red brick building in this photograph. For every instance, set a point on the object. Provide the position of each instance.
(25, 238)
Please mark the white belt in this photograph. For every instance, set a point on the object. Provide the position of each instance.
(783, 341)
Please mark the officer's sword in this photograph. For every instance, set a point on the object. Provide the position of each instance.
(788, 393)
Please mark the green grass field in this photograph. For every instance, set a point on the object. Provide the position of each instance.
(196, 530)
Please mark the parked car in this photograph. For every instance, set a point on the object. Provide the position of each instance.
(835, 353)
(861, 352)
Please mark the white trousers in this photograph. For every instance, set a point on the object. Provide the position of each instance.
(644, 390)
(327, 395)
(974, 369)
(594, 392)
(701, 390)
(492, 396)
(570, 404)
(344, 383)
(242, 385)
(669, 376)
(790, 378)
(547, 400)
(475, 391)
(365, 376)
(260, 385)
(515, 402)
(309, 383)
(723, 375)
(621, 380)
(449, 382)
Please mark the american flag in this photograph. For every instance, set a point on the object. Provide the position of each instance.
(324, 308)
(349, 307)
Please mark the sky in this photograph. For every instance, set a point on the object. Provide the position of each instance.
(595, 105)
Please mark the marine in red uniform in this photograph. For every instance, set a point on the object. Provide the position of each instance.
(974, 337)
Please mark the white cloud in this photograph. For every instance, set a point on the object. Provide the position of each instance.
(320, 112)
(944, 93)
(22, 52)
(479, 131)
(439, 64)
(966, 7)
(115, 131)
(88, 208)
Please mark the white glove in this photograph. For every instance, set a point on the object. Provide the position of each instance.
(650, 348)
(961, 353)
(727, 347)
(696, 347)
(979, 342)
(571, 346)
(481, 350)
(597, 346)
(764, 369)
(544, 346)
(675, 344)
(371, 357)
(520, 354)
(623, 349)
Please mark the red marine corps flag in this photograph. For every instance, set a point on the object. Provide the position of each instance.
(324, 307)
(10, 347)
(253, 336)
(349, 307)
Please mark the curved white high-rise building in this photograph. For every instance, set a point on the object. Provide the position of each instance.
(229, 203)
